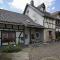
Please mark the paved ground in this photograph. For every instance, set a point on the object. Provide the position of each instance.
(43, 52)
(46, 52)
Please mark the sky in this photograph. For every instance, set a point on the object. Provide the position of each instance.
(19, 5)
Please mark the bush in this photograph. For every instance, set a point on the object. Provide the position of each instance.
(58, 39)
(11, 48)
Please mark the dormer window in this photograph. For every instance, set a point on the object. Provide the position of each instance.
(27, 21)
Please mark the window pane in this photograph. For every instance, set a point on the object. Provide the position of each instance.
(15, 27)
(32, 36)
(53, 22)
(50, 21)
(8, 36)
(9, 26)
(2, 26)
(21, 27)
(59, 30)
(50, 25)
(56, 29)
(45, 20)
(37, 34)
(46, 25)
(53, 26)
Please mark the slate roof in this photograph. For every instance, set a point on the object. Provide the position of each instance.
(55, 14)
(17, 18)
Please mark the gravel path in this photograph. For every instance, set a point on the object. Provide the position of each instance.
(43, 52)
(46, 52)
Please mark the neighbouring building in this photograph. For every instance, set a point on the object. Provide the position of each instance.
(34, 25)
(57, 15)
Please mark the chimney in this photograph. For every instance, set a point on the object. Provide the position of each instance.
(32, 3)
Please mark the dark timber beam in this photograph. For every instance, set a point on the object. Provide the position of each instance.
(24, 34)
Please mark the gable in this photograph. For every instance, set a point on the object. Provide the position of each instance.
(34, 14)
(42, 7)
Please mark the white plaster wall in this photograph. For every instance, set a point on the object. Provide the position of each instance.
(49, 23)
(17, 35)
(17, 39)
(35, 16)
(27, 40)
(46, 35)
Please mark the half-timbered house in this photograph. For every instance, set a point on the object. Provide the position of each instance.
(34, 25)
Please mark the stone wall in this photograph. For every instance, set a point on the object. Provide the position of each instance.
(46, 35)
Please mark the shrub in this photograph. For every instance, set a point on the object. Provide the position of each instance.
(11, 48)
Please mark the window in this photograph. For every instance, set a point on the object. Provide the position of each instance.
(8, 36)
(50, 32)
(53, 26)
(28, 21)
(37, 34)
(32, 36)
(50, 25)
(20, 27)
(50, 21)
(53, 22)
(46, 25)
(26, 36)
(45, 20)
(57, 29)
(2, 25)
(9, 26)
(15, 27)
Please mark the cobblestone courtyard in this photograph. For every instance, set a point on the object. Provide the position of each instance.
(43, 52)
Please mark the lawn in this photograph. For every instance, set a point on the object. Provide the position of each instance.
(10, 48)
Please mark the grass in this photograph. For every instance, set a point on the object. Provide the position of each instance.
(10, 48)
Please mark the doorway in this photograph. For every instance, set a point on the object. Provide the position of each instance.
(50, 35)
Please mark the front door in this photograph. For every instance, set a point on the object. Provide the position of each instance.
(50, 35)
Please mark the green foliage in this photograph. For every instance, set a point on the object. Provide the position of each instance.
(59, 38)
(11, 48)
